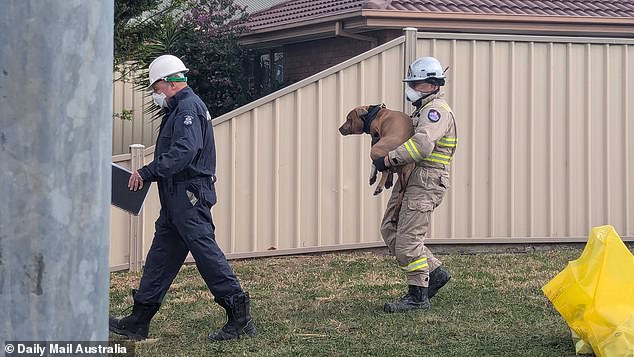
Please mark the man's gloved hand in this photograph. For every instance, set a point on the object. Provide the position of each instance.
(380, 164)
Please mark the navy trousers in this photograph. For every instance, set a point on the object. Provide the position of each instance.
(185, 225)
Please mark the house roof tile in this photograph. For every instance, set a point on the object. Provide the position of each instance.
(300, 10)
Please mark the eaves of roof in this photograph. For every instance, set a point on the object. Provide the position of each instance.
(359, 21)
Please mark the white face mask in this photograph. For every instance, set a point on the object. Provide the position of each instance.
(160, 99)
(412, 95)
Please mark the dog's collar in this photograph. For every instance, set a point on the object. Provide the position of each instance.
(373, 110)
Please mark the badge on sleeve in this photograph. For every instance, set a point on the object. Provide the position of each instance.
(433, 115)
(188, 120)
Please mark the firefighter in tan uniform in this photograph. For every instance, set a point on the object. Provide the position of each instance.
(431, 148)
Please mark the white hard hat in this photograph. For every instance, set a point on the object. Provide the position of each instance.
(424, 68)
(165, 66)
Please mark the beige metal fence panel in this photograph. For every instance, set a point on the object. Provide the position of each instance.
(119, 239)
(544, 127)
(141, 129)
(287, 180)
(544, 151)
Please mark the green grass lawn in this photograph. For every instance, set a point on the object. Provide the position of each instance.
(331, 305)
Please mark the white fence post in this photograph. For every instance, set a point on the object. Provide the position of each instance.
(136, 222)
(409, 57)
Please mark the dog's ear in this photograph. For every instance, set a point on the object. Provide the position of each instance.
(361, 111)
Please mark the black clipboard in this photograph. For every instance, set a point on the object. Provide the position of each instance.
(122, 197)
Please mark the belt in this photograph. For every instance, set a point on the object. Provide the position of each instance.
(187, 176)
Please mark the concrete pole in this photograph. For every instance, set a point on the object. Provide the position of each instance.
(55, 153)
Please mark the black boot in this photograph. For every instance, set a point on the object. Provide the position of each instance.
(437, 279)
(239, 321)
(416, 298)
(136, 326)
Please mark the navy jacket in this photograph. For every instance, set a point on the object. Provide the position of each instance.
(185, 147)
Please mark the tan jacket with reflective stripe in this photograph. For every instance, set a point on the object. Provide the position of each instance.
(435, 139)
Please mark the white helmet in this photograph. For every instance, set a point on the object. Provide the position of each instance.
(165, 66)
(424, 68)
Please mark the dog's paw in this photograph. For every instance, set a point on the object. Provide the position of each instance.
(373, 174)
(389, 182)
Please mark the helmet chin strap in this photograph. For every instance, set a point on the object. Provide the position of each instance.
(425, 96)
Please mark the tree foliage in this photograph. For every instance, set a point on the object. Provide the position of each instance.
(134, 22)
(219, 66)
(203, 33)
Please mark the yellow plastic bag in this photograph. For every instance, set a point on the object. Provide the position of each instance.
(581, 347)
(595, 295)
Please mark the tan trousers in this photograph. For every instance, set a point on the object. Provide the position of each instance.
(405, 238)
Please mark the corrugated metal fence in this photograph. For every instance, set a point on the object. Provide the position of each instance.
(544, 126)
(142, 129)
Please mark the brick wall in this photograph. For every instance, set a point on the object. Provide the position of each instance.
(304, 59)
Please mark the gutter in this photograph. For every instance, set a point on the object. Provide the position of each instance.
(339, 31)
(516, 24)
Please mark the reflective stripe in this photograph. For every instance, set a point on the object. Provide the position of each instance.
(448, 142)
(411, 142)
(439, 158)
(438, 161)
(415, 155)
(417, 265)
(442, 156)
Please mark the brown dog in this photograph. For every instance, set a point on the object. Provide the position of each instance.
(389, 129)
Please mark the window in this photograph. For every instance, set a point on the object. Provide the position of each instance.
(270, 76)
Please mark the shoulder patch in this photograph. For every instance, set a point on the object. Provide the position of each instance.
(188, 120)
(433, 115)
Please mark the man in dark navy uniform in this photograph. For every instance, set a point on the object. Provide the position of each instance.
(184, 167)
